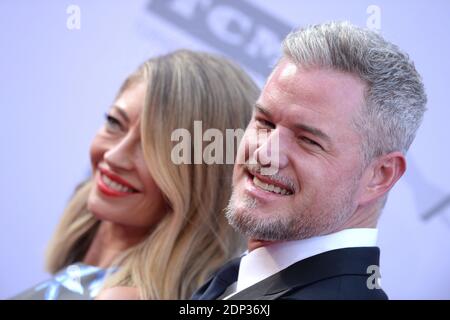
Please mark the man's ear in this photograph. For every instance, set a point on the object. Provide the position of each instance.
(381, 175)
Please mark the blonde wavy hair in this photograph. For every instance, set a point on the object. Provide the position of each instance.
(194, 238)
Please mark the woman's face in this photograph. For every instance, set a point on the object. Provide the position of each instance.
(124, 191)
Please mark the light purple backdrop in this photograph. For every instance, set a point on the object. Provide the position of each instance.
(57, 81)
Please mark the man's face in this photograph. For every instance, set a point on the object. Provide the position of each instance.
(308, 114)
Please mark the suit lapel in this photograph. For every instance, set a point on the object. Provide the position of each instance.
(219, 282)
(347, 261)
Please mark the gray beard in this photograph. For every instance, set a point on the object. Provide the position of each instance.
(271, 229)
(281, 226)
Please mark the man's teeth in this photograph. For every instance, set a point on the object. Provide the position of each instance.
(114, 185)
(270, 187)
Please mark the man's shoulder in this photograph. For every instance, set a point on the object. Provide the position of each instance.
(342, 274)
(342, 287)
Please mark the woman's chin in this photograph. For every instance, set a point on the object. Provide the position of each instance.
(97, 209)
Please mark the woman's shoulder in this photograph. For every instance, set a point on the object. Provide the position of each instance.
(119, 293)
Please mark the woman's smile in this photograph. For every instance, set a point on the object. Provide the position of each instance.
(112, 185)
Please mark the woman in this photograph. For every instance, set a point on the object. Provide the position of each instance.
(157, 227)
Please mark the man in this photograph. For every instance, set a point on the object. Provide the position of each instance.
(341, 109)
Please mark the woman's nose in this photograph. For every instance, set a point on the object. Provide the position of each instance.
(120, 156)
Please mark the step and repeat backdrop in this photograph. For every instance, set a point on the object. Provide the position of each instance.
(61, 63)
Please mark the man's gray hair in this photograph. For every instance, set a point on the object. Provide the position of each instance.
(395, 98)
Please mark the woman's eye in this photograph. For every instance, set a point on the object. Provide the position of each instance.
(112, 123)
(265, 124)
(311, 142)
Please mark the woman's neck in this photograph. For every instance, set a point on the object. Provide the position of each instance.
(110, 240)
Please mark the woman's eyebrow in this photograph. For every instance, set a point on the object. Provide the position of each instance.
(122, 113)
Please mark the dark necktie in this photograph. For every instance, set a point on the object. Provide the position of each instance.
(222, 279)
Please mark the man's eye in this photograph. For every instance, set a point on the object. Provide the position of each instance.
(311, 142)
(265, 124)
(112, 123)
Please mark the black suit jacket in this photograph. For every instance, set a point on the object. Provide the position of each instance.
(336, 275)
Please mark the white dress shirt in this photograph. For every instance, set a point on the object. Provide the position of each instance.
(263, 262)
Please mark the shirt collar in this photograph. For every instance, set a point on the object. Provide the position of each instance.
(263, 262)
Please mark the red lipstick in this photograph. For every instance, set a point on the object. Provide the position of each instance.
(107, 190)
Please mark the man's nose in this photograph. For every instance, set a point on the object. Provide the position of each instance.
(270, 151)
